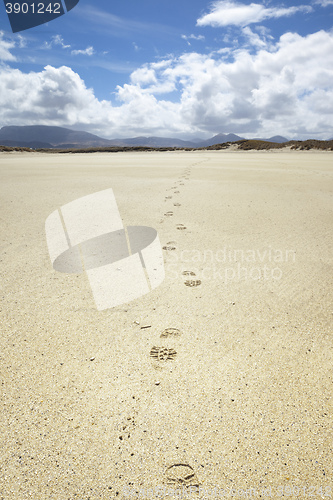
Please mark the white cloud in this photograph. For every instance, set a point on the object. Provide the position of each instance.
(52, 96)
(89, 51)
(5, 46)
(225, 12)
(55, 40)
(285, 88)
(324, 3)
(22, 41)
(192, 37)
(58, 40)
(255, 40)
(143, 76)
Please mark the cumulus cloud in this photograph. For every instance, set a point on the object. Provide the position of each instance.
(89, 51)
(284, 88)
(225, 12)
(52, 96)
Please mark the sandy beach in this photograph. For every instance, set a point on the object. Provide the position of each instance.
(243, 406)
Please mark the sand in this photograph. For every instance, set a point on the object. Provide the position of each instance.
(244, 403)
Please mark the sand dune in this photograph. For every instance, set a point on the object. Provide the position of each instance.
(220, 378)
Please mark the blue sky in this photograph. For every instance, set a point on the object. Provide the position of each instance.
(174, 68)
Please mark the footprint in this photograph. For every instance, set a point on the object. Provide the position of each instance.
(176, 192)
(168, 197)
(181, 226)
(188, 273)
(170, 332)
(181, 474)
(169, 247)
(162, 353)
(168, 214)
(192, 282)
(177, 205)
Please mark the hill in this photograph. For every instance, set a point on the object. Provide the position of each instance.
(53, 136)
(219, 139)
(43, 136)
(153, 142)
(276, 138)
(61, 138)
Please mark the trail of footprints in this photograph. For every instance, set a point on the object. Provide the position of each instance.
(178, 474)
(163, 355)
(170, 246)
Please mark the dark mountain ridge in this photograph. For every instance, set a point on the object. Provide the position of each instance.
(50, 137)
(54, 136)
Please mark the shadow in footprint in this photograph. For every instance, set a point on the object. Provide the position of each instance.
(170, 332)
(162, 353)
(169, 247)
(181, 475)
(192, 283)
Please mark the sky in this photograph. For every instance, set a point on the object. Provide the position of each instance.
(174, 68)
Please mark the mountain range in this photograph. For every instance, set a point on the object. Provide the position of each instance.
(42, 136)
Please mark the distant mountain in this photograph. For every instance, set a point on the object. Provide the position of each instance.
(153, 142)
(42, 136)
(54, 136)
(219, 139)
(276, 138)
(22, 144)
